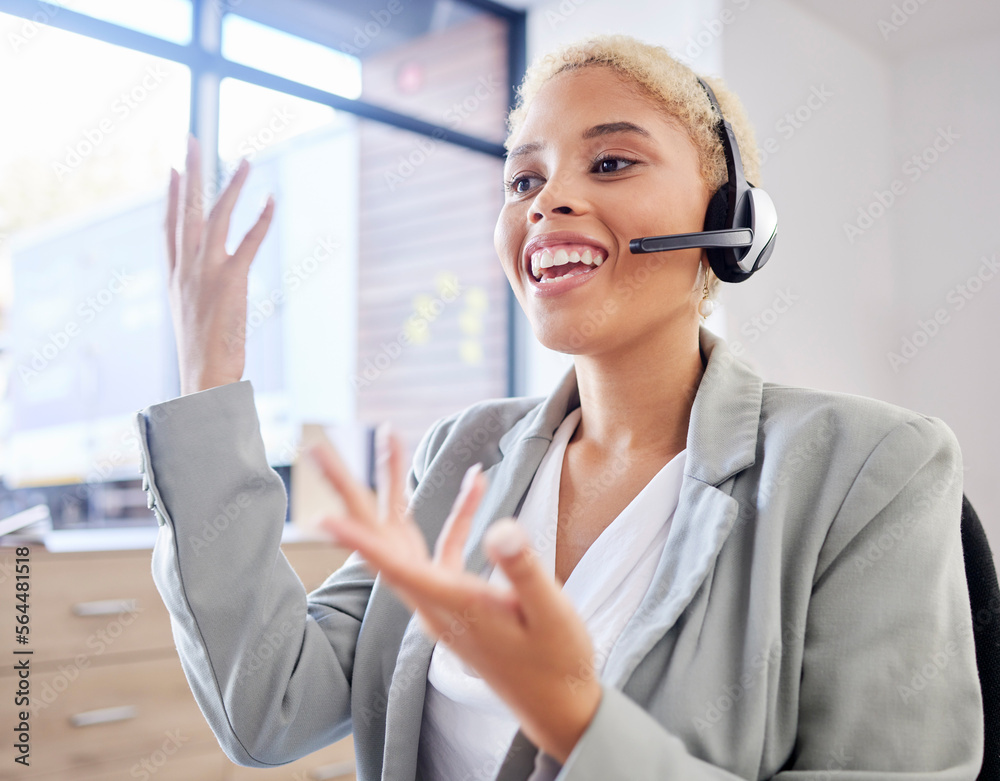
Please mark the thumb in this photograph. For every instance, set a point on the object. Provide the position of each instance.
(507, 544)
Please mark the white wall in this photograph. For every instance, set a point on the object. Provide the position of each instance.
(945, 226)
(905, 268)
(675, 25)
(820, 165)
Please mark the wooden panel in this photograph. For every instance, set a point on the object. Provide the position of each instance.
(427, 212)
(116, 587)
(121, 583)
(164, 736)
(463, 77)
(314, 562)
(333, 763)
(157, 715)
(204, 764)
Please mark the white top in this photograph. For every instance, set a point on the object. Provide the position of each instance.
(466, 728)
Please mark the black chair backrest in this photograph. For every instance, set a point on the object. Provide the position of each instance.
(984, 594)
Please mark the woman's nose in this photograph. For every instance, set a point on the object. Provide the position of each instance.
(538, 216)
(553, 200)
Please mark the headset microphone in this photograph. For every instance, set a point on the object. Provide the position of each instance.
(741, 224)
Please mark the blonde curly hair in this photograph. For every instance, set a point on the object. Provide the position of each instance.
(673, 85)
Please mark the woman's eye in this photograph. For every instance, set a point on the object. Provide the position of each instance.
(611, 165)
(520, 184)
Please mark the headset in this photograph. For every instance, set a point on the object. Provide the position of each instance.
(741, 224)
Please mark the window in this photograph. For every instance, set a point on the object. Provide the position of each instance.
(259, 46)
(167, 19)
(84, 304)
(376, 294)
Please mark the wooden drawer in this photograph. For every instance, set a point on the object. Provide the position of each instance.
(333, 763)
(90, 605)
(314, 562)
(119, 655)
(159, 717)
(207, 765)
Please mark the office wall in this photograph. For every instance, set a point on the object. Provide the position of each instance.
(820, 104)
(947, 253)
(877, 242)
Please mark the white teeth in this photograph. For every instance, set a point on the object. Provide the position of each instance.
(542, 259)
(570, 274)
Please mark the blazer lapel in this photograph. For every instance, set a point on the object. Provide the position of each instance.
(523, 448)
(703, 519)
(722, 441)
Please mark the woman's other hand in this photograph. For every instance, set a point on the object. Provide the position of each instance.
(208, 286)
(528, 642)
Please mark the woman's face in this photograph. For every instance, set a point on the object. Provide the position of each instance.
(595, 164)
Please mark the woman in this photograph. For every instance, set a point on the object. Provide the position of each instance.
(746, 580)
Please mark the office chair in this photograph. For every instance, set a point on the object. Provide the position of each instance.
(984, 595)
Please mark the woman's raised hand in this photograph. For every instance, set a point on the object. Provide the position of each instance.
(208, 286)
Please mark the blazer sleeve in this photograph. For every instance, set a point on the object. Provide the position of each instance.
(269, 665)
(889, 688)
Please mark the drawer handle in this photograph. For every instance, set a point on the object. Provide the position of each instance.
(330, 772)
(103, 716)
(105, 607)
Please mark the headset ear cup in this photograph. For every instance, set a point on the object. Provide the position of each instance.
(715, 220)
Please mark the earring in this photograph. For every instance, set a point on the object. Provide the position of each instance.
(706, 306)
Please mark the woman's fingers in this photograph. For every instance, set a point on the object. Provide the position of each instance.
(349, 534)
(191, 218)
(451, 541)
(358, 499)
(170, 223)
(437, 592)
(217, 225)
(508, 545)
(388, 475)
(398, 563)
(251, 242)
(214, 230)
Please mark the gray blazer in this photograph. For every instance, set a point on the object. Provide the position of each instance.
(809, 613)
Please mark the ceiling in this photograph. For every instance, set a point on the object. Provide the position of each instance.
(360, 27)
(933, 22)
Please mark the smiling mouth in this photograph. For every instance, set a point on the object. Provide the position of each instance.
(564, 260)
